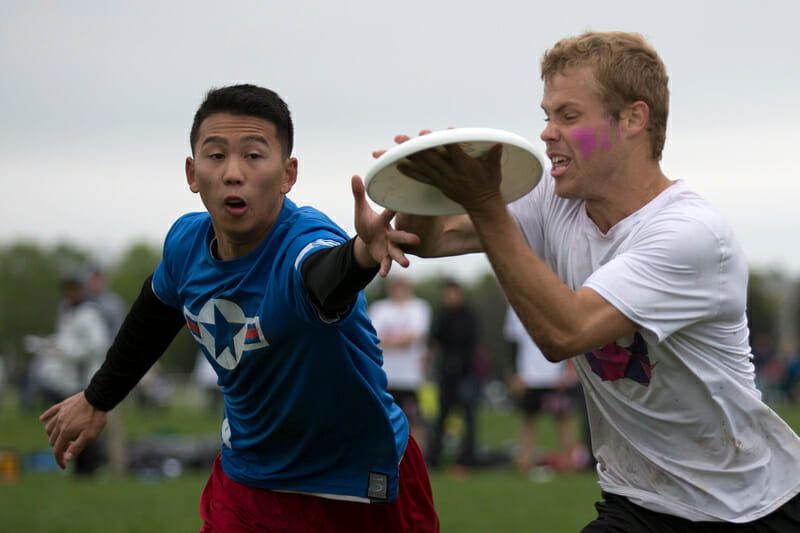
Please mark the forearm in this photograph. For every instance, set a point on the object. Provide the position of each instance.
(335, 276)
(459, 236)
(548, 308)
(145, 334)
(442, 236)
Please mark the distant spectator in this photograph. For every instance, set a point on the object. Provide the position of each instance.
(791, 383)
(540, 388)
(769, 368)
(113, 308)
(65, 362)
(454, 343)
(111, 304)
(154, 389)
(402, 322)
(71, 355)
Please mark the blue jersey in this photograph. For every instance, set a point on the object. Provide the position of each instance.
(306, 407)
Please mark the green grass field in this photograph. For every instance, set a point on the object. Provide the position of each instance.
(496, 499)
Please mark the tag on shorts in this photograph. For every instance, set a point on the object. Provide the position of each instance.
(378, 487)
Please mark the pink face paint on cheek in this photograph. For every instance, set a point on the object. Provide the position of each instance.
(586, 139)
(607, 143)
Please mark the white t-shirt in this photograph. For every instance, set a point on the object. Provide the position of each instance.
(677, 423)
(77, 349)
(403, 365)
(532, 366)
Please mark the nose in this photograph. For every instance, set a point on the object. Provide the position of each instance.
(549, 133)
(233, 172)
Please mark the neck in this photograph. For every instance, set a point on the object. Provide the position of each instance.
(626, 196)
(231, 250)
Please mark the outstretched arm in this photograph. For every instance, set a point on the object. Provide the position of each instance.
(334, 276)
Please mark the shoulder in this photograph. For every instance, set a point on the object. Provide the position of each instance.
(190, 224)
(306, 219)
(186, 240)
(303, 230)
(299, 226)
(687, 241)
(691, 223)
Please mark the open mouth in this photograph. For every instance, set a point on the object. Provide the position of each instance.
(235, 205)
(559, 163)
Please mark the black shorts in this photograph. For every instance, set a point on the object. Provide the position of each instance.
(557, 402)
(619, 514)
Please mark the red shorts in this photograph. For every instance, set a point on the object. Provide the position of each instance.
(231, 507)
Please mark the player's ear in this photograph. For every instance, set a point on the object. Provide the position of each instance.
(289, 174)
(190, 178)
(635, 118)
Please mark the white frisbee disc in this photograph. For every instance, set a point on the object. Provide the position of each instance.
(521, 169)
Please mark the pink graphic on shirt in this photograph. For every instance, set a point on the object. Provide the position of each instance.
(613, 362)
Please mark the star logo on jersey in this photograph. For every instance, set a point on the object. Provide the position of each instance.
(224, 332)
(613, 362)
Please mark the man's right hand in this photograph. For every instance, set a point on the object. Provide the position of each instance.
(71, 425)
(439, 236)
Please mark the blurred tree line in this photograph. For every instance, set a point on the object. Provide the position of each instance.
(29, 296)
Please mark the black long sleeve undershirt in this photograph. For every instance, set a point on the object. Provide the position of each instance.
(332, 278)
(147, 331)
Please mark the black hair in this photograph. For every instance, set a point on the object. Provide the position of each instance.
(248, 100)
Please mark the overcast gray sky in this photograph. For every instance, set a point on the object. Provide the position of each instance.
(97, 98)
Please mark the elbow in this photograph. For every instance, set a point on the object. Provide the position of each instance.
(556, 355)
(553, 356)
(560, 347)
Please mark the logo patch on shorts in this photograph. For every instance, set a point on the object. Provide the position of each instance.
(378, 487)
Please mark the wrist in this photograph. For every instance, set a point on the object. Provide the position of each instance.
(485, 206)
(361, 254)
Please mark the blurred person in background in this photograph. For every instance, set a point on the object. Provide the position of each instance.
(64, 362)
(541, 387)
(110, 303)
(113, 308)
(791, 383)
(454, 344)
(402, 322)
(68, 358)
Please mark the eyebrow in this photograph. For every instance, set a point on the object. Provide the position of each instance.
(222, 140)
(558, 109)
